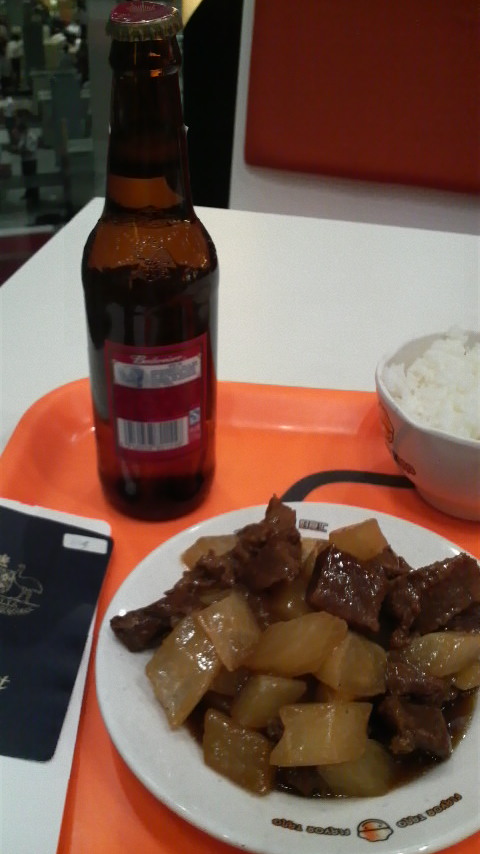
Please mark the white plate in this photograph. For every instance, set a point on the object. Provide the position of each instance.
(426, 815)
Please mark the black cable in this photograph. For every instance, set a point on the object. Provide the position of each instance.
(303, 487)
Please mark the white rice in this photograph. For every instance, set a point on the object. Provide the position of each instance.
(441, 389)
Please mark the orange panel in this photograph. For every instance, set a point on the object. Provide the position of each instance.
(381, 90)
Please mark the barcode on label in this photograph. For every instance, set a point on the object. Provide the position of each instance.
(152, 436)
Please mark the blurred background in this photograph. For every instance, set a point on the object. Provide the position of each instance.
(377, 120)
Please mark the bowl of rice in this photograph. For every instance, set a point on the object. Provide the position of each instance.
(429, 398)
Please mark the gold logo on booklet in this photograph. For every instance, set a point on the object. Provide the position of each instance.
(17, 591)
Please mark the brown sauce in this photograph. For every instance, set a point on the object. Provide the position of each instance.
(305, 782)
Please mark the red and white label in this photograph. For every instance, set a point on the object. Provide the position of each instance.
(157, 397)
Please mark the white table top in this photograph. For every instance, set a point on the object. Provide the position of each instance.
(303, 302)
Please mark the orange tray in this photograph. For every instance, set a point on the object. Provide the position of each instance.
(270, 439)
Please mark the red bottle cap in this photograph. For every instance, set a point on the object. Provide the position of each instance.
(141, 20)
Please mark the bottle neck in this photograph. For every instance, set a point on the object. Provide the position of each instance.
(147, 167)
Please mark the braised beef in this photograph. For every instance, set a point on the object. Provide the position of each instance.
(426, 599)
(405, 680)
(392, 564)
(403, 607)
(452, 585)
(347, 588)
(265, 553)
(415, 727)
(269, 551)
(143, 628)
(302, 780)
(280, 520)
(211, 570)
(466, 621)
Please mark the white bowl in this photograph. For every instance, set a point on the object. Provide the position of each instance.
(444, 468)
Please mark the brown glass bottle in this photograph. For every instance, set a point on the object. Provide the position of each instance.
(150, 279)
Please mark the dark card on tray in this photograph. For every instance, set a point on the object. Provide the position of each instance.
(50, 577)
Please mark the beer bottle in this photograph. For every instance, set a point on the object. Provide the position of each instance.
(150, 279)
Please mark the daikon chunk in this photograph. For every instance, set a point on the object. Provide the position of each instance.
(288, 599)
(356, 666)
(297, 646)
(229, 682)
(372, 774)
(231, 627)
(261, 698)
(325, 694)
(322, 733)
(182, 669)
(363, 540)
(443, 653)
(240, 754)
(469, 677)
(311, 547)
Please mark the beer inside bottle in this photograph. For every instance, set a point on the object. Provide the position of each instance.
(150, 278)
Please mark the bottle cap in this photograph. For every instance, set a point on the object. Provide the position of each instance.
(140, 20)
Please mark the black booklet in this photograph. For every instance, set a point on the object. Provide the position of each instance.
(51, 573)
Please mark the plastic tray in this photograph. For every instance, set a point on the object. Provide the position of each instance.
(317, 445)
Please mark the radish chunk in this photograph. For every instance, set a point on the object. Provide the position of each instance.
(363, 540)
(297, 646)
(240, 754)
(469, 677)
(182, 669)
(288, 599)
(231, 627)
(371, 775)
(443, 653)
(322, 733)
(261, 698)
(356, 666)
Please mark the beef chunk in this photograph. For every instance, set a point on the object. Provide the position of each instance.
(143, 628)
(274, 562)
(392, 564)
(426, 599)
(404, 679)
(403, 606)
(280, 521)
(304, 780)
(347, 588)
(265, 553)
(269, 551)
(452, 585)
(415, 727)
(466, 621)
